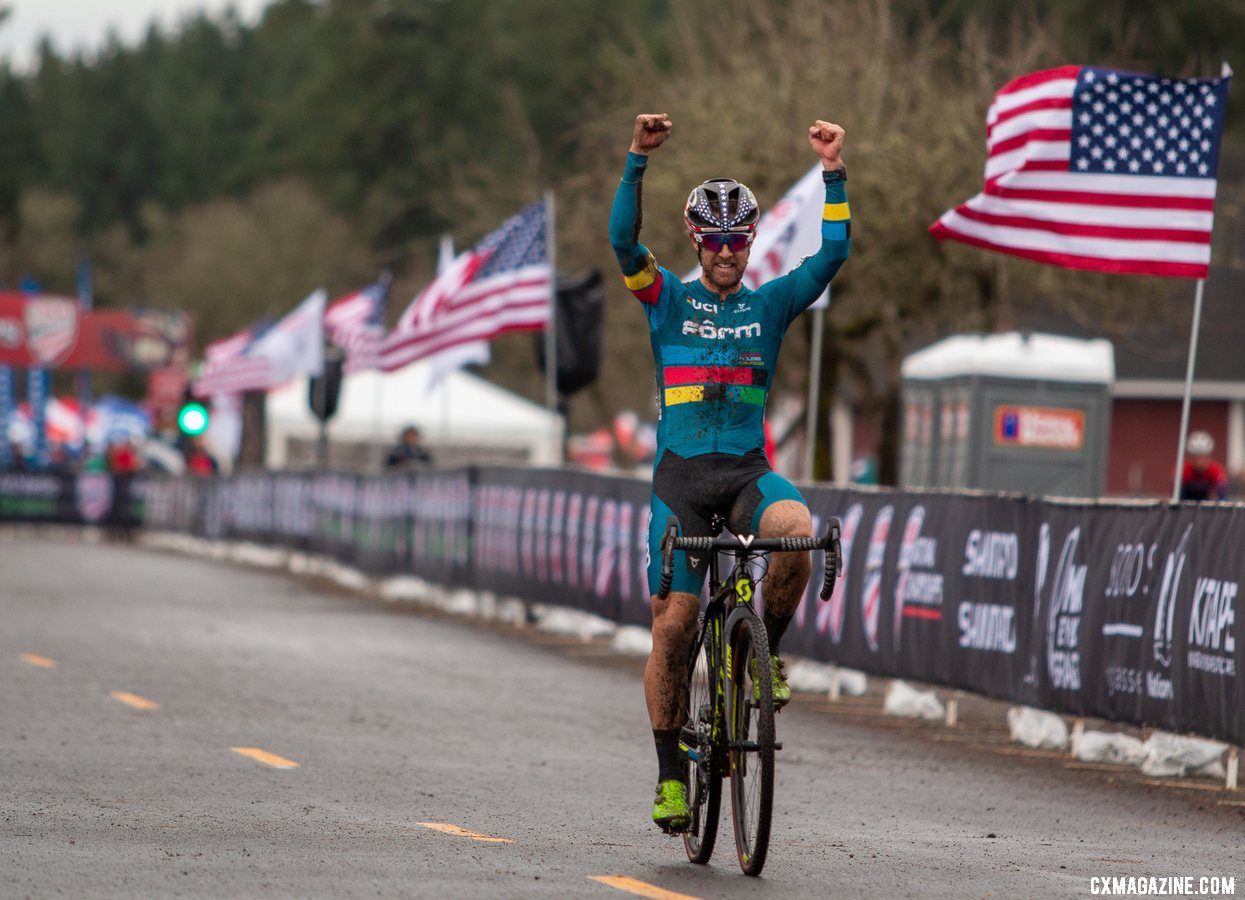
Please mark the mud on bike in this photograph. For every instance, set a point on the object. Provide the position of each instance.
(730, 719)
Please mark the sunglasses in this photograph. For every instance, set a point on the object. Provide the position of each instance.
(715, 241)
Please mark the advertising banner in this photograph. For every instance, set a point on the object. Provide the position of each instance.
(1115, 611)
(49, 331)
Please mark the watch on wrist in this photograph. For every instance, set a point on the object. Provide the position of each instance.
(834, 176)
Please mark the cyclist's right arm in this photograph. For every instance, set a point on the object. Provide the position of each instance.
(639, 267)
(640, 271)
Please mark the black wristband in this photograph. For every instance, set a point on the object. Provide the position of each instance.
(834, 176)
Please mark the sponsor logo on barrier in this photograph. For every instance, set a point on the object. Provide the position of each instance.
(1159, 683)
(871, 592)
(93, 493)
(574, 509)
(918, 589)
(987, 626)
(1067, 600)
(1212, 646)
(991, 554)
(831, 613)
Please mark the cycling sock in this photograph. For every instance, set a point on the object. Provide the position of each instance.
(669, 756)
(775, 627)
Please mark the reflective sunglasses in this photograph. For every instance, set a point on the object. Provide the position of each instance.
(714, 241)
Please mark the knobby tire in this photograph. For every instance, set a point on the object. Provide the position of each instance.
(751, 720)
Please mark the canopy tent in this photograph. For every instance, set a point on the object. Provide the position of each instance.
(460, 414)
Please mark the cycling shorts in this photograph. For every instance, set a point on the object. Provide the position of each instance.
(738, 488)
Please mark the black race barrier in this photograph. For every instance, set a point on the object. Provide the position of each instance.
(1103, 609)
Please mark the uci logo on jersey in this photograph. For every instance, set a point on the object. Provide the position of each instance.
(709, 330)
(703, 307)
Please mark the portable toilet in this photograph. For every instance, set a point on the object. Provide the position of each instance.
(1009, 412)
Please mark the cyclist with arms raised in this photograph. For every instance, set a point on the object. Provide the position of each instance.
(715, 343)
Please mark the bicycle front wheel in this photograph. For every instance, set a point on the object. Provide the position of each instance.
(750, 739)
(704, 765)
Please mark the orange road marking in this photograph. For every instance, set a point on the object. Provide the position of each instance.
(36, 660)
(134, 700)
(463, 832)
(640, 888)
(263, 756)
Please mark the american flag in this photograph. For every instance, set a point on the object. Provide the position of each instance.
(1092, 168)
(356, 323)
(226, 366)
(259, 361)
(503, 284)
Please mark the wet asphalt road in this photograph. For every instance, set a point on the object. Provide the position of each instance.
(396, 719)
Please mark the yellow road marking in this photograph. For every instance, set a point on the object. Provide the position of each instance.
(134, 700)
(36, 660)
(640, 888)
(263, 756)
(463, 832)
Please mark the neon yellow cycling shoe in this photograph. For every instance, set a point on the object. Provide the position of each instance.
(778, 677)
(670, 806)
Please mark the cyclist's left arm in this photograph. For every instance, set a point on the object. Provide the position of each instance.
(804, 284)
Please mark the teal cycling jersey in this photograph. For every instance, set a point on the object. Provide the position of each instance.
(715, 358)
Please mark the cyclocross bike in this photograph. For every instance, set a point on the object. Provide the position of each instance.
(730, 720)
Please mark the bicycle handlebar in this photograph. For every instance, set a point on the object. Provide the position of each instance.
(829, 542)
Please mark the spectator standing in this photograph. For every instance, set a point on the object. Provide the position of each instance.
(409, 452)
(1203, 477)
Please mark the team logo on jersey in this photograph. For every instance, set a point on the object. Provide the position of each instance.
(709, 330)
(750, 358)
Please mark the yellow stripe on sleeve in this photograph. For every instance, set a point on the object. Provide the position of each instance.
(836, 212)
(643, 278)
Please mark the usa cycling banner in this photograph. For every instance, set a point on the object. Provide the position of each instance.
(1119, 611)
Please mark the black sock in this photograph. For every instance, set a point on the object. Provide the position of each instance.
(775, 627)
(670, 759)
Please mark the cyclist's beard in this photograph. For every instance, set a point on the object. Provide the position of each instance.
(722, 277)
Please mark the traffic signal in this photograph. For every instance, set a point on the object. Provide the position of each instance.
(192, 418)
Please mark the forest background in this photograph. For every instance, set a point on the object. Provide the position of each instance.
(228, 169)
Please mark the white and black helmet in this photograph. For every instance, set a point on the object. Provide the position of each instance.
(721, 204)
(1200, 443)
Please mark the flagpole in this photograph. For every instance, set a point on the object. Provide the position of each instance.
(814, 391)
(1188, 386)
(551, 337)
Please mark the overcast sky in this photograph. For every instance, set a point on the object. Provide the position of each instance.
(75, 24)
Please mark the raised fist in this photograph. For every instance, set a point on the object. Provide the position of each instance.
(827, 140)
(651, 131)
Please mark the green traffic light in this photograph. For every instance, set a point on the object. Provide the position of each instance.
(192, 419)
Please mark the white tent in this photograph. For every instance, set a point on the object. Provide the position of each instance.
(462, 413)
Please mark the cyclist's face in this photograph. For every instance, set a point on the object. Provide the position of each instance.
(723, 268)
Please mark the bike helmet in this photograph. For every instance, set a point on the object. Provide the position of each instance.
(1200, 444)
(721, 204)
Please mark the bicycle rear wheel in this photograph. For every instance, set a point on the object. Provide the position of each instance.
(704, 783)
(750, 739)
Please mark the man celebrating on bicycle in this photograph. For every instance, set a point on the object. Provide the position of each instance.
(715, 343)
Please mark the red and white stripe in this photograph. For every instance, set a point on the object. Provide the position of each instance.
(1034, 207)
(516, 300)
(226, 370)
